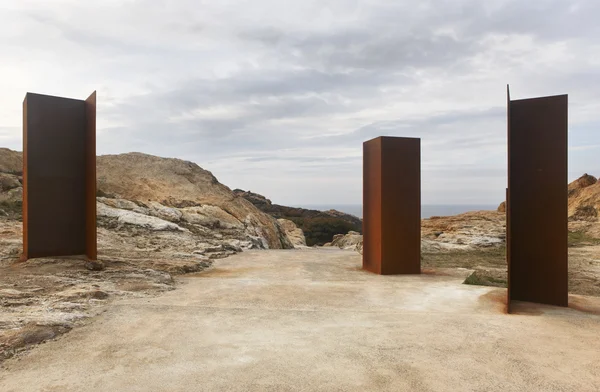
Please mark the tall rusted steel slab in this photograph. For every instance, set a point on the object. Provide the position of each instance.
(537, 200)
(59, 176)
(392, 205)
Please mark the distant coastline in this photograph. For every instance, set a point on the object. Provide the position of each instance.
(427, 210)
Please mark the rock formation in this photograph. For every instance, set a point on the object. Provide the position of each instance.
(147, 198)
(346, 241)
(319, 227)
(156, 217)
(582, 182)
(470, 230)
(189, 189)
(584, 199)
(295, 234)
(583, 205)
(502, 207)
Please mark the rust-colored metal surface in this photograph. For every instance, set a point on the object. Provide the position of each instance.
(90, 178)
(58, 136)
(25, 187)
(392, 205)
(537, 200)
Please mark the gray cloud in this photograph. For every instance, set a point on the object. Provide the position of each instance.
(279, 96)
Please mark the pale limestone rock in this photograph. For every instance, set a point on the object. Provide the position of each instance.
(136, 219)
(293, 232)
(346, 241)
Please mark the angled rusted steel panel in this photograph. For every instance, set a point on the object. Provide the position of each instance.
(392, 205)
(372, 205)
(24, 207)
(537, 200)
(507, 206)
(90, 178)
(56, 175)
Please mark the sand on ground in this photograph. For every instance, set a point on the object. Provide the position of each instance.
(312, 320)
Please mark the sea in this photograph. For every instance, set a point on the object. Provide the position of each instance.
(427, 210)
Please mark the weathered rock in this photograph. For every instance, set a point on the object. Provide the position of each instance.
(475, 229)
(8, 182)
(94, 265)
(211, 216)
(294, 233)
(502, 207)
(136, 219)
(11, 161)
(347, 241)
(163, 212)
(582, 182)
(181, 184)
(584, 199)
(123, 205)
(318, 227)
(31, 334)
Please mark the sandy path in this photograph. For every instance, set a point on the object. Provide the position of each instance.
(312, 320)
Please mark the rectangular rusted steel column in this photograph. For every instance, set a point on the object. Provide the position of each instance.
(537, 200)
(59, 176)
(392, 205)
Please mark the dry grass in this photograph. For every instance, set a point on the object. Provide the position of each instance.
(490, 267)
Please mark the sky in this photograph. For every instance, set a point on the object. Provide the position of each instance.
(277, 97)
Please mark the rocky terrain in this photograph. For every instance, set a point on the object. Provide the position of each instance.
(487, 229)
(469, 231)
(160, 217)
(157, 217)
(476, 240)
(319, 227)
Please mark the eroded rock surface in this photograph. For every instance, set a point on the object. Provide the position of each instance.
(157, 218)
(346, 241)
(293, 232)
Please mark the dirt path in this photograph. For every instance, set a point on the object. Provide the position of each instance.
(312, 320)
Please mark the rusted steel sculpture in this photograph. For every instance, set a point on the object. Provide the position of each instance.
(536, 205)
(59, 176)
(392, 205)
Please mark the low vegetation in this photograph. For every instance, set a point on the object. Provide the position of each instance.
(319, 227)
(579, 238)
(490, 269)
(321, 230)
(11, 209)
(480, 278)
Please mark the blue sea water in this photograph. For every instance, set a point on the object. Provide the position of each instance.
(427, 210)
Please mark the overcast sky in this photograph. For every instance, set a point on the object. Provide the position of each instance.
(277, 96)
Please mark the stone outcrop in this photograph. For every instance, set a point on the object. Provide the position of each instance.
(11, 161)
(346, 241)
(468, 231)
(584, 199)
(502, 207)
(148, 195)
(318, 227)
(582, 182)
(293, 232)
(181, 184)
(156, 217)
(475, 229)
(583, 205)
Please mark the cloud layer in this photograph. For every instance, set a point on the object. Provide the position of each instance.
(277, 97)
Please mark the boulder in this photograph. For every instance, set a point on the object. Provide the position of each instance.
(582, 182)
(502, 207)
(174, 183)
(295, 234)
(346, 241)
(8, 182)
